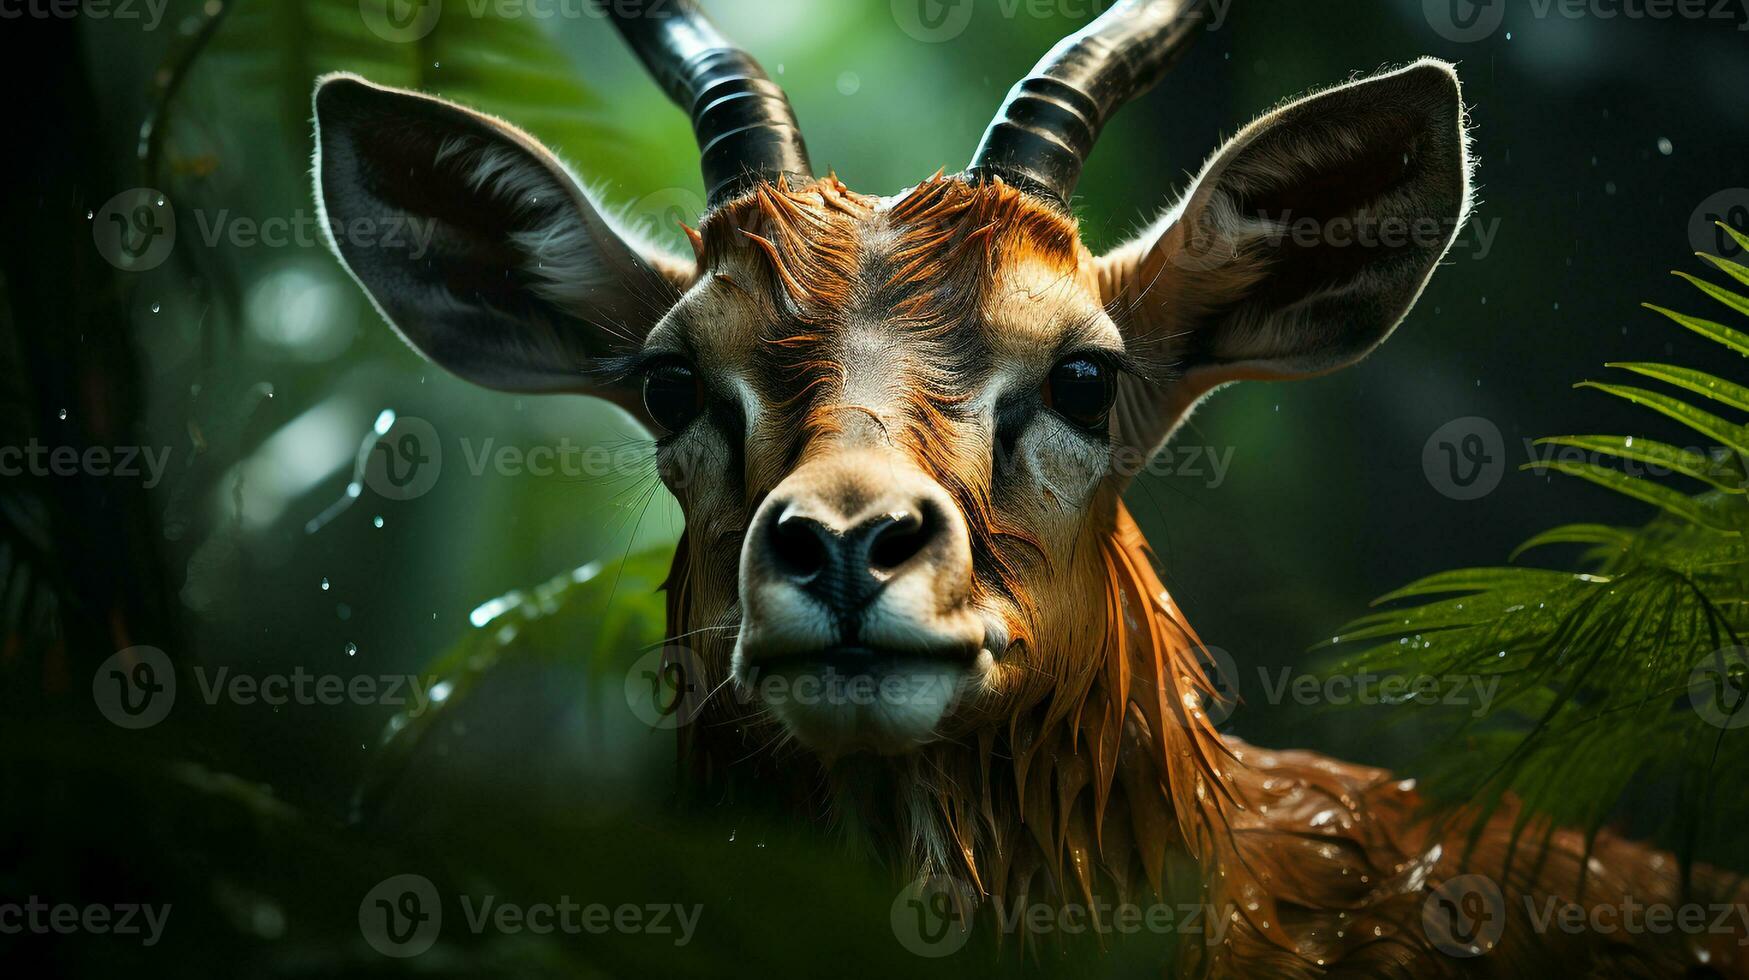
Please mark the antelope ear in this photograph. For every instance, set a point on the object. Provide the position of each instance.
(1300, 246)
(477, 245)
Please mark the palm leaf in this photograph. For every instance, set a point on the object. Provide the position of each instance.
(1732, 269)
(1595, 668)
(1725, 433)
(1720, 293)
(564, 635)
(1722, 475)
(1737, 340)
(1701, 383)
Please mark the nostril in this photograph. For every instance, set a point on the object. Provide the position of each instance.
(901, 537)
(799, 547)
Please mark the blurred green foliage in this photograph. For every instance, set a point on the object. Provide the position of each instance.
(1626, 677)
(265, 369)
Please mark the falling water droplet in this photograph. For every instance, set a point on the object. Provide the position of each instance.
(352, 649)
(156, 307)
(377, 521)
(1665, 146)
(63, 414)
(89, 215)
(324, 585)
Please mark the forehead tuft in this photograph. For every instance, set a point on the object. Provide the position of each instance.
(922, 255)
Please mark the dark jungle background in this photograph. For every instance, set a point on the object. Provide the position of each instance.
(245, 360)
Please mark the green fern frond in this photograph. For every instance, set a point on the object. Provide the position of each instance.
(1700, 382)
(1723, 474)
(1734, 270)
(1737, 340)
(1730, 435)
(1621, 678)
(1734, 300)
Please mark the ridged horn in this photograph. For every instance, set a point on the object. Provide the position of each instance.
(746, 130)
(1042, 135)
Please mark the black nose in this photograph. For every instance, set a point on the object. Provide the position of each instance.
(846, 568)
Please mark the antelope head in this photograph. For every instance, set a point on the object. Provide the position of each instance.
(900, 426)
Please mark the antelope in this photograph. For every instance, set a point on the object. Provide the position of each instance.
(896, 426)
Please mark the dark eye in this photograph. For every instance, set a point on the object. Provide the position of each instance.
(672, 395)
(1081, 389)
